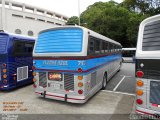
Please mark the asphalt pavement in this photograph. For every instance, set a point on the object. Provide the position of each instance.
(114, 103)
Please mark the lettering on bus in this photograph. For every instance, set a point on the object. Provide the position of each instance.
(81, 63)
(55, 62)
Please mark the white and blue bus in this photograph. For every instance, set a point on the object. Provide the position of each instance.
(148, 68)
(73, 63)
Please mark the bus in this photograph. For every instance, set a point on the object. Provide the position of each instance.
(148, 67)
(16, 60)
(72, 63)
(128, 54)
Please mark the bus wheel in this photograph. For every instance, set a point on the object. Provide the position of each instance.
(104, 83)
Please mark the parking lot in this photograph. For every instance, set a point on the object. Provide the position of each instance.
(117, 99)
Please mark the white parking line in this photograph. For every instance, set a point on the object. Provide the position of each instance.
(119, 83)
(126, 76)
(119, 92)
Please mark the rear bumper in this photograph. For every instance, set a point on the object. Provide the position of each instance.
(62, 97)
(147, 112)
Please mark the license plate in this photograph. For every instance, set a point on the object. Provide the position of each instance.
(55, 85)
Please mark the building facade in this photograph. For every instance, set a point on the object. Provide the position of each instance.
(20, 18)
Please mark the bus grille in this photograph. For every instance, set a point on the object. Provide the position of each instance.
(151, 36)
(154, 92)
(69, 82)
(22, 73)
(93, 79)
(42, 79)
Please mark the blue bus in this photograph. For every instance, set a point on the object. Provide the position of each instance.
(73, 63)
(15, 60)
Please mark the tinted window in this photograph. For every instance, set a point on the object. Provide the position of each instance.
(91, 46)
(97, 46)
(23, 48)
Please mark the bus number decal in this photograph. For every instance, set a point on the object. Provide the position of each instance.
(81, 63)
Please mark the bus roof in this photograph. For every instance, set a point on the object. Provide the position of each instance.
(94, 34)
(18, 36)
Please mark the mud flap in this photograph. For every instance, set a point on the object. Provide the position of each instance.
(65, 99)
(44, 94)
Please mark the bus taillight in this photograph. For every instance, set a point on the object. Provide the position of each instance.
(140, 83)
(33, 67)
(140, 74)
(80, 84)
(35, 86)
(4, 76)
(140, 92)
(34, 79)
(80, 70)
(139, 101)
(4, 70)
(34, 74)
(4, 65)
(80, 92)
(5, 81)
(80, 77)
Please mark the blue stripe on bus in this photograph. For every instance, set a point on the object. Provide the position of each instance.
(73, 65)
(54, 41)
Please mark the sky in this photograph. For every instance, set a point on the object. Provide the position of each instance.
(65, 7)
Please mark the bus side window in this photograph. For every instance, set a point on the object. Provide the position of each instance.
(106, 47)
(91, 46)
(97, 46)
(103, 47)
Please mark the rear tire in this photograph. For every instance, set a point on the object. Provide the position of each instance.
(104, 83)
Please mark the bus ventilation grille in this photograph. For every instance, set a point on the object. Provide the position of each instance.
(69, 82)
(42, 79)
(22, 73)
(151, 36)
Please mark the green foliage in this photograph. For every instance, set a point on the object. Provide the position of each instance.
(73, 20)
(119, 22)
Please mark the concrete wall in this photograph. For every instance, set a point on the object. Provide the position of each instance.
(15, 15)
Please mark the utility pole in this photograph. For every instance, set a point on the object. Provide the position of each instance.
(79, 12)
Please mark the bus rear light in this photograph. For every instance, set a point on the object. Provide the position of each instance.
(140, 74)
(4, 76)
(140, 83)
(34, 79)
(33, 67)
(34, 74)
(80, 84)
(139, 101)
(80, 92)
(4, 65)
(35, 86)
(14, 78)
(140, 92)
(80, 77)
(5, 81)
(4, 70)
(80, 70)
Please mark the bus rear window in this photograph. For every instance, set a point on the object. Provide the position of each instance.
(60, 40)
(3, 43)
(23, 48)
(151, 37)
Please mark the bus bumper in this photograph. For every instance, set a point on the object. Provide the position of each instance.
(62, 97)
(147, 113)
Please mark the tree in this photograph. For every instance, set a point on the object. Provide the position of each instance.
(73, 20)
